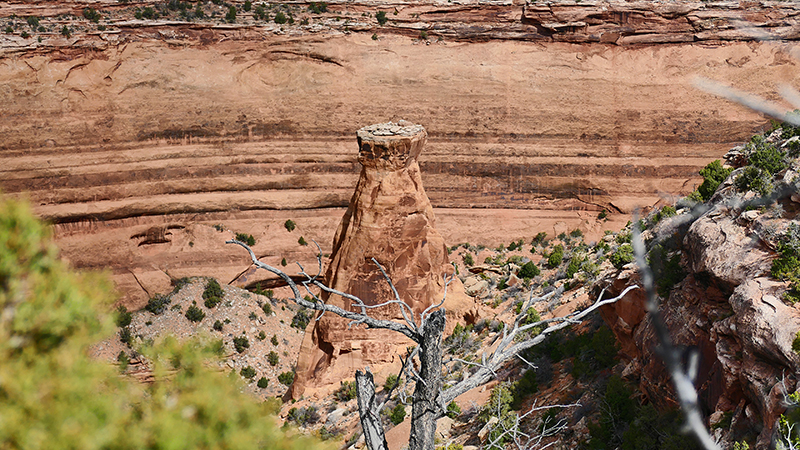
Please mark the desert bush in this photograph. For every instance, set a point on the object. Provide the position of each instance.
(318, 7)
(392, 381)
(246, 238)
(248, 372)
(65, 31)
(665, 212)
(622, 256)
(286, 378)
(468, 260)
(346, 391)
(91, 15)
(397, 414)
(302, 241)
(194, 314)
(303, 416)
(713, 175)
(230, 16)
(280, 18)
(123, 317)
(213, 293)
(528, 271)
(260, 13)
(240, 343)
(289, 224)
(538, 239)
(453, 410)
(381, 16)
(158, 303)
(301, 319)
(273, 359)
(556, 256)
(217, 325)
(263, 382)
(267, 308)
(274, 339)
(261, 335)
(247, 5)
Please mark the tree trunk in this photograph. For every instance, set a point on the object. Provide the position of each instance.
(426, 395)
(368, 411)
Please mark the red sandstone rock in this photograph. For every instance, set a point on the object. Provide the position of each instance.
(390, 220)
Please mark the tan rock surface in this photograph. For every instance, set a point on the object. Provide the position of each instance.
(389, 221)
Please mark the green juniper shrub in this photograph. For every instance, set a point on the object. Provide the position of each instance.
(123, 318)
(468, 260)
(624, 237)
(261, 335)
(280, 18)
(286, 378)
(65, 31)
(263, 382)
(194, 314)
(302, 241)
(528, 271)
(213, 293)
(666, 269)
(453, 410)
(289, 224)
(665, 212)
(346, 391)
(381, 16)
(252, 316)
(622, 256)
(240, 343)
(91, 15)
(523, 388)
(33, 22)
(318, 7)
(574, 266)
(556, 256)
(301, 319)
(25, 35)
(247, 5)
(603, 215)
(217, 325)
(392, 381)
(123, 360)
(283, 262)
(576, 233)
(713, 175)
(125, 336)
(274, 339)
(273, 359)
(260, 13)
(267, 308)
(502, 284)
(246, 238)
(230, 16)
(248, 372)
(539, 238)
(398, 414)
(628, 425)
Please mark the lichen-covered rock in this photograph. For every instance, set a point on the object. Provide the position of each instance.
(389, 221)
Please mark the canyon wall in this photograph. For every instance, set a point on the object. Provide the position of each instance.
(530, 114)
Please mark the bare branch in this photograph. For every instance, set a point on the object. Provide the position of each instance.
(357, 318)
(681, 378)
(507, 348)
(749, 100)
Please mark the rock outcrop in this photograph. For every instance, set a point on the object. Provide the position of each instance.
(727, 308)
(390, 222)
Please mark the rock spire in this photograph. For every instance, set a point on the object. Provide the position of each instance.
(391, 220)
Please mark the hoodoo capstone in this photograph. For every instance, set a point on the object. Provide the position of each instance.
(389, 220)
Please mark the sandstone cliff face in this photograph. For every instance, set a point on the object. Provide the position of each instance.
(728, 308)
(390, 220)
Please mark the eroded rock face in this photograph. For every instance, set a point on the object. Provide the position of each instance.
(389, 221)
(728, 310)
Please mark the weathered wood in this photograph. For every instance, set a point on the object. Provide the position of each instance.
(368, 411)
(426, 408)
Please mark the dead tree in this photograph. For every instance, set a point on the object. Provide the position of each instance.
(429, 399)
